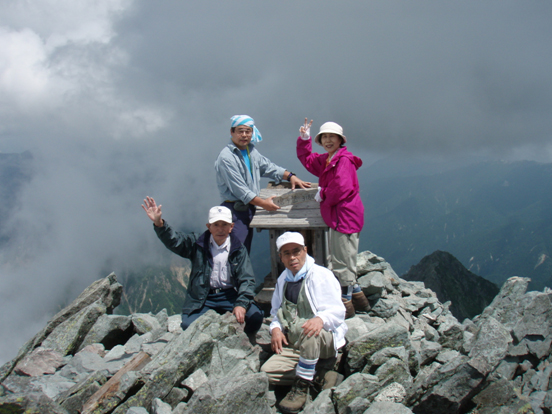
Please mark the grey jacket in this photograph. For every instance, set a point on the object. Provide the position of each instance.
(233, 178)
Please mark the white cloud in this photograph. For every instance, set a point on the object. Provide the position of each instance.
(24, 76)
(57, 60)
(63, 21)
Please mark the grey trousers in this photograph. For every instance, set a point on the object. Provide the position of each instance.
(344, 251)
(280, 368)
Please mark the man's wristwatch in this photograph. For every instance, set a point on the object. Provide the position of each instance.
(290, 175)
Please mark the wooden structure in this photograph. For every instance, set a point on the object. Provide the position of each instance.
(109, 391)
(299, 212)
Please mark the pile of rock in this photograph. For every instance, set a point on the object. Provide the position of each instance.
(408, 354)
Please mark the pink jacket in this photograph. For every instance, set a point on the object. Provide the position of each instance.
(341, 206)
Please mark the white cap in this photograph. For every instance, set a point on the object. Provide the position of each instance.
(220, 213)
(289, 237)
(330, 128)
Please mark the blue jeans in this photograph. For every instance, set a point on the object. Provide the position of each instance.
(223, 302)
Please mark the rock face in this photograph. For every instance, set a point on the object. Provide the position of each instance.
(409, 354)
(451, 281)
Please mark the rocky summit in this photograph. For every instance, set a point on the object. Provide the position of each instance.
(409, 354)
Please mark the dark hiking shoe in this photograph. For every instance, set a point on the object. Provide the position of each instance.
(349, 308)
(322, 367)
(360, 302)
(297, 397)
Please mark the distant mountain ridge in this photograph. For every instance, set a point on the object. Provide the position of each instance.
(451, 281)
(495, 217)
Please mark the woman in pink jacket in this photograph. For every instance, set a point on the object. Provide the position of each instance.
(340, 204)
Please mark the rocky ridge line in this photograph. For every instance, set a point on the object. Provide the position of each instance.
(407, 355)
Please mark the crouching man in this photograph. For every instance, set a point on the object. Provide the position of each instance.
(308, 325)
(221, 277)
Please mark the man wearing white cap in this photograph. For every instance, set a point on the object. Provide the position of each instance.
(308, 325)
(225, 281)
(239, 168)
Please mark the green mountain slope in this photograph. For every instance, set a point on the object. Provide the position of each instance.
(152, 289)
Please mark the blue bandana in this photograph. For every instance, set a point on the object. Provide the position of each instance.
(290, 277)
(246, 120)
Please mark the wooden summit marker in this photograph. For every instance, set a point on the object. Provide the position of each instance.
(293, 197)
(299, 212)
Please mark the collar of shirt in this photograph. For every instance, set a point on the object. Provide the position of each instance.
(223, 246)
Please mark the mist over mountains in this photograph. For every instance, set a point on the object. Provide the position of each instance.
(495, 217)
(15, 171)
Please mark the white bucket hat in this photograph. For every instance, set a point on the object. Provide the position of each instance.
(330, 128)
(220, 213)
(289, 237)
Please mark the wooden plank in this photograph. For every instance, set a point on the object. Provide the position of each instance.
(276, 265)
(309, 205)
(304, 214)
(319, 247)
(275, 219)
(290, 224)
(298, 214)
(295, 213)
(112, 386)
(279, 190)
(294, 197)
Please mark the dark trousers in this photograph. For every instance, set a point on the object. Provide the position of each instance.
(242, 219)
(223, 302)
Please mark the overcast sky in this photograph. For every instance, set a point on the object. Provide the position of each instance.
(119, 99)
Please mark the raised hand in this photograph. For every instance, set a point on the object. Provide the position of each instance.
(153, 211)
(305, 129)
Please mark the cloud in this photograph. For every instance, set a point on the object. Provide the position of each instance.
(421, 77)
(119, 99)
(23, 78)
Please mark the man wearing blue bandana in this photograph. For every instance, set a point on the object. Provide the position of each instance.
(239, 168)
(308, 325)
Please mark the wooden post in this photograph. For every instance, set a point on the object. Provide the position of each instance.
(111, 387)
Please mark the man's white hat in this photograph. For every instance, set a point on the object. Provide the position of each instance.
(289, 237)
(330, 128)
(220, 213)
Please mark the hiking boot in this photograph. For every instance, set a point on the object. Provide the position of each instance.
(297, 397)
(322, 367)
(360, 302)
(349, 308)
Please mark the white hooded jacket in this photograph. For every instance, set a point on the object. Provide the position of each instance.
(324, 294)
